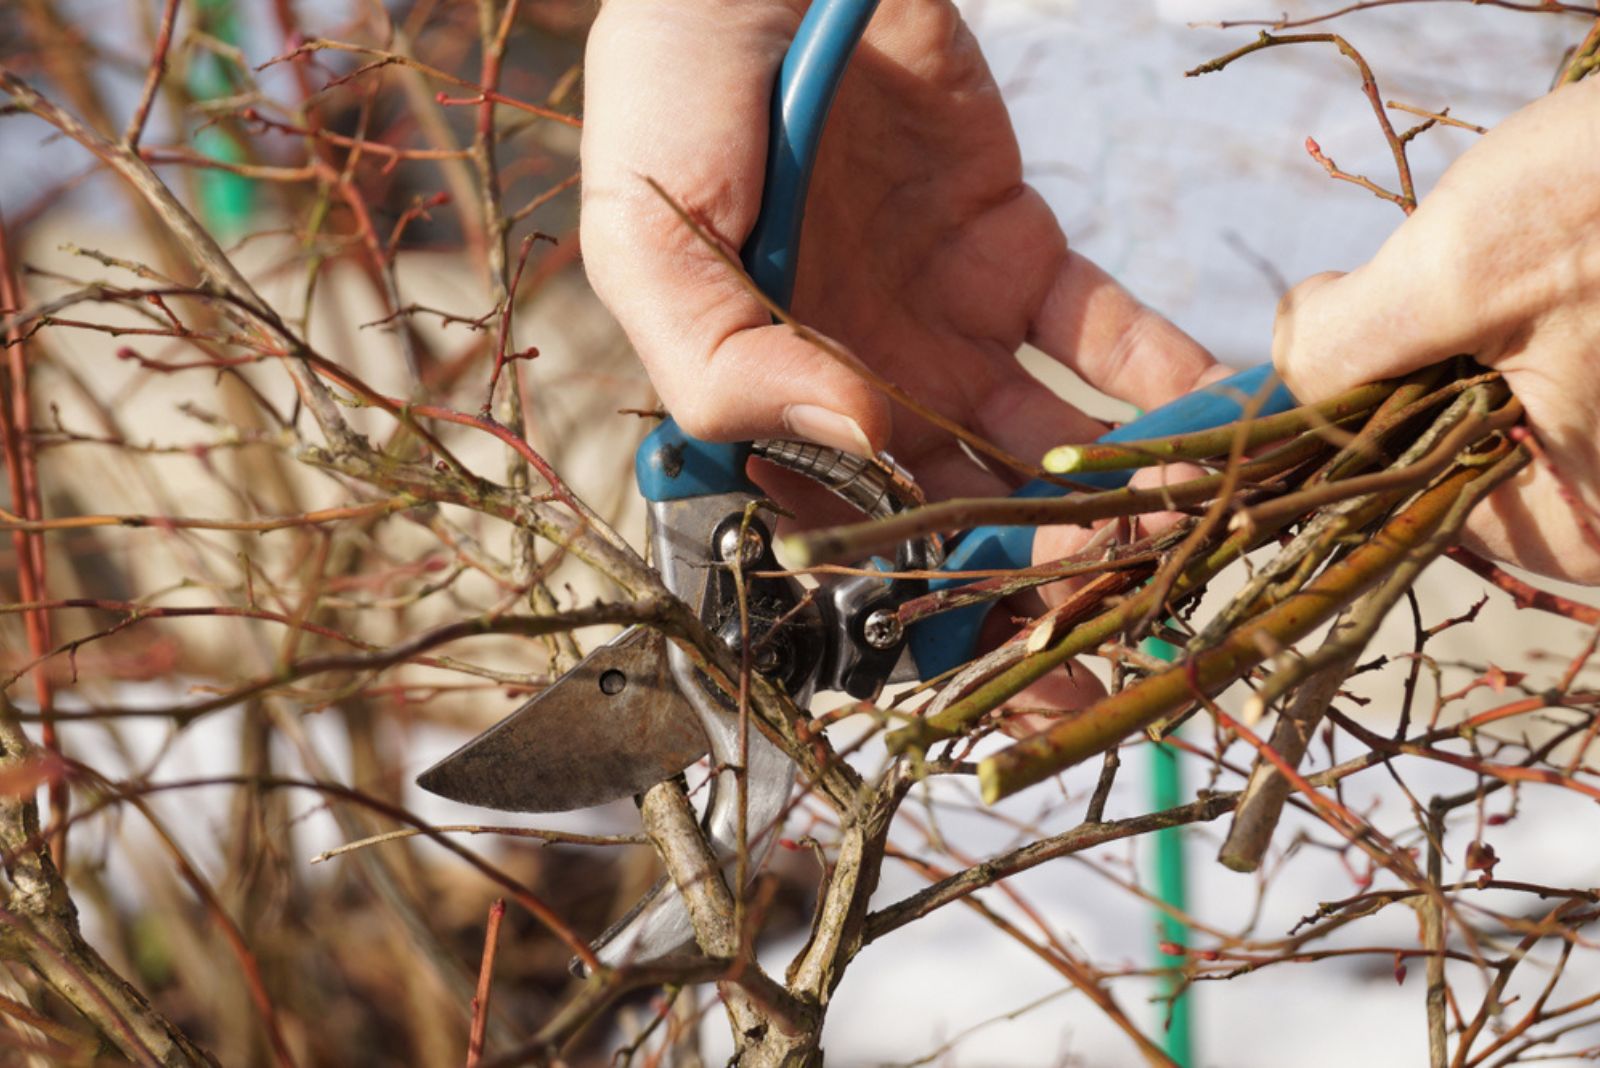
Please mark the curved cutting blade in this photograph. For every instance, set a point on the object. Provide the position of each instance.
(612, 727)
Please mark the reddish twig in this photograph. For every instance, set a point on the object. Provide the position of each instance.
(1539, 7)
(393, 154)
(22, 471)
(489, 425)
(480, 1000)
(1522, 594)
(387, 506)
(417, 209)
(1505, 772)
(503, 338)
(385, 59)
(1406, 199)
(541, 199)
(1314, 150)
(152, 79)
(492, 97)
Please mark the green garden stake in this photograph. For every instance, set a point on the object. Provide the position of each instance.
(1166, 791)
(226, 198)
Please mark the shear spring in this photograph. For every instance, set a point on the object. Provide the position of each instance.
(877, 487)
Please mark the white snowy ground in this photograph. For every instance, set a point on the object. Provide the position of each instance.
(1196, 193)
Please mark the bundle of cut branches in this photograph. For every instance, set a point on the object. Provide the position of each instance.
(1355, 495)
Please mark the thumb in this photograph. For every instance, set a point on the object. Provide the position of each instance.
(680, 92)
(1398, 313)
(766, 381)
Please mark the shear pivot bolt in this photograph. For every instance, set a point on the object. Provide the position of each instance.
(767, 659)
(883, 629)
(741, 541)
(766, 654)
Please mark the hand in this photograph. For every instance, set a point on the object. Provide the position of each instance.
(1501, 261)
(925, 254)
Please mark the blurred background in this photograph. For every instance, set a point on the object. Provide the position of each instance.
(1197, 193)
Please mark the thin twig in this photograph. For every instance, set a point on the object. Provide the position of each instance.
(480, 999)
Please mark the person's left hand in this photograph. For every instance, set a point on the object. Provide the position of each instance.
(1500, 261)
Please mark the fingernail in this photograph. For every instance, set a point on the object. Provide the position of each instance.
(816, 423)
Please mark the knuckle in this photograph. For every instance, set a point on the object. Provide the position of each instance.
(1292, 331)
(1295, 300)
(1122, 361)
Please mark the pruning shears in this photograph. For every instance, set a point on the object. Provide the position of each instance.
(634, 712)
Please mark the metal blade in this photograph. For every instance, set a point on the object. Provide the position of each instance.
(612, 727)
(659, 925)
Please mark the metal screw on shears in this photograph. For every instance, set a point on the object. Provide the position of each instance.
(766, 655)
(743, 540)
(883, 629)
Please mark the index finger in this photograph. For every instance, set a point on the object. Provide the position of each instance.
(1095, 327)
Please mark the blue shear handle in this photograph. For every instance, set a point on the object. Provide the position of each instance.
(671, 465)
(949, 639)
(807, 82)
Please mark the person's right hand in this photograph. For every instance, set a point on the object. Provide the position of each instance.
(925, 254)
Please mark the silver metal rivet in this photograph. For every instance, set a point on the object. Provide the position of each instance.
(883, 629)
(729, 543)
